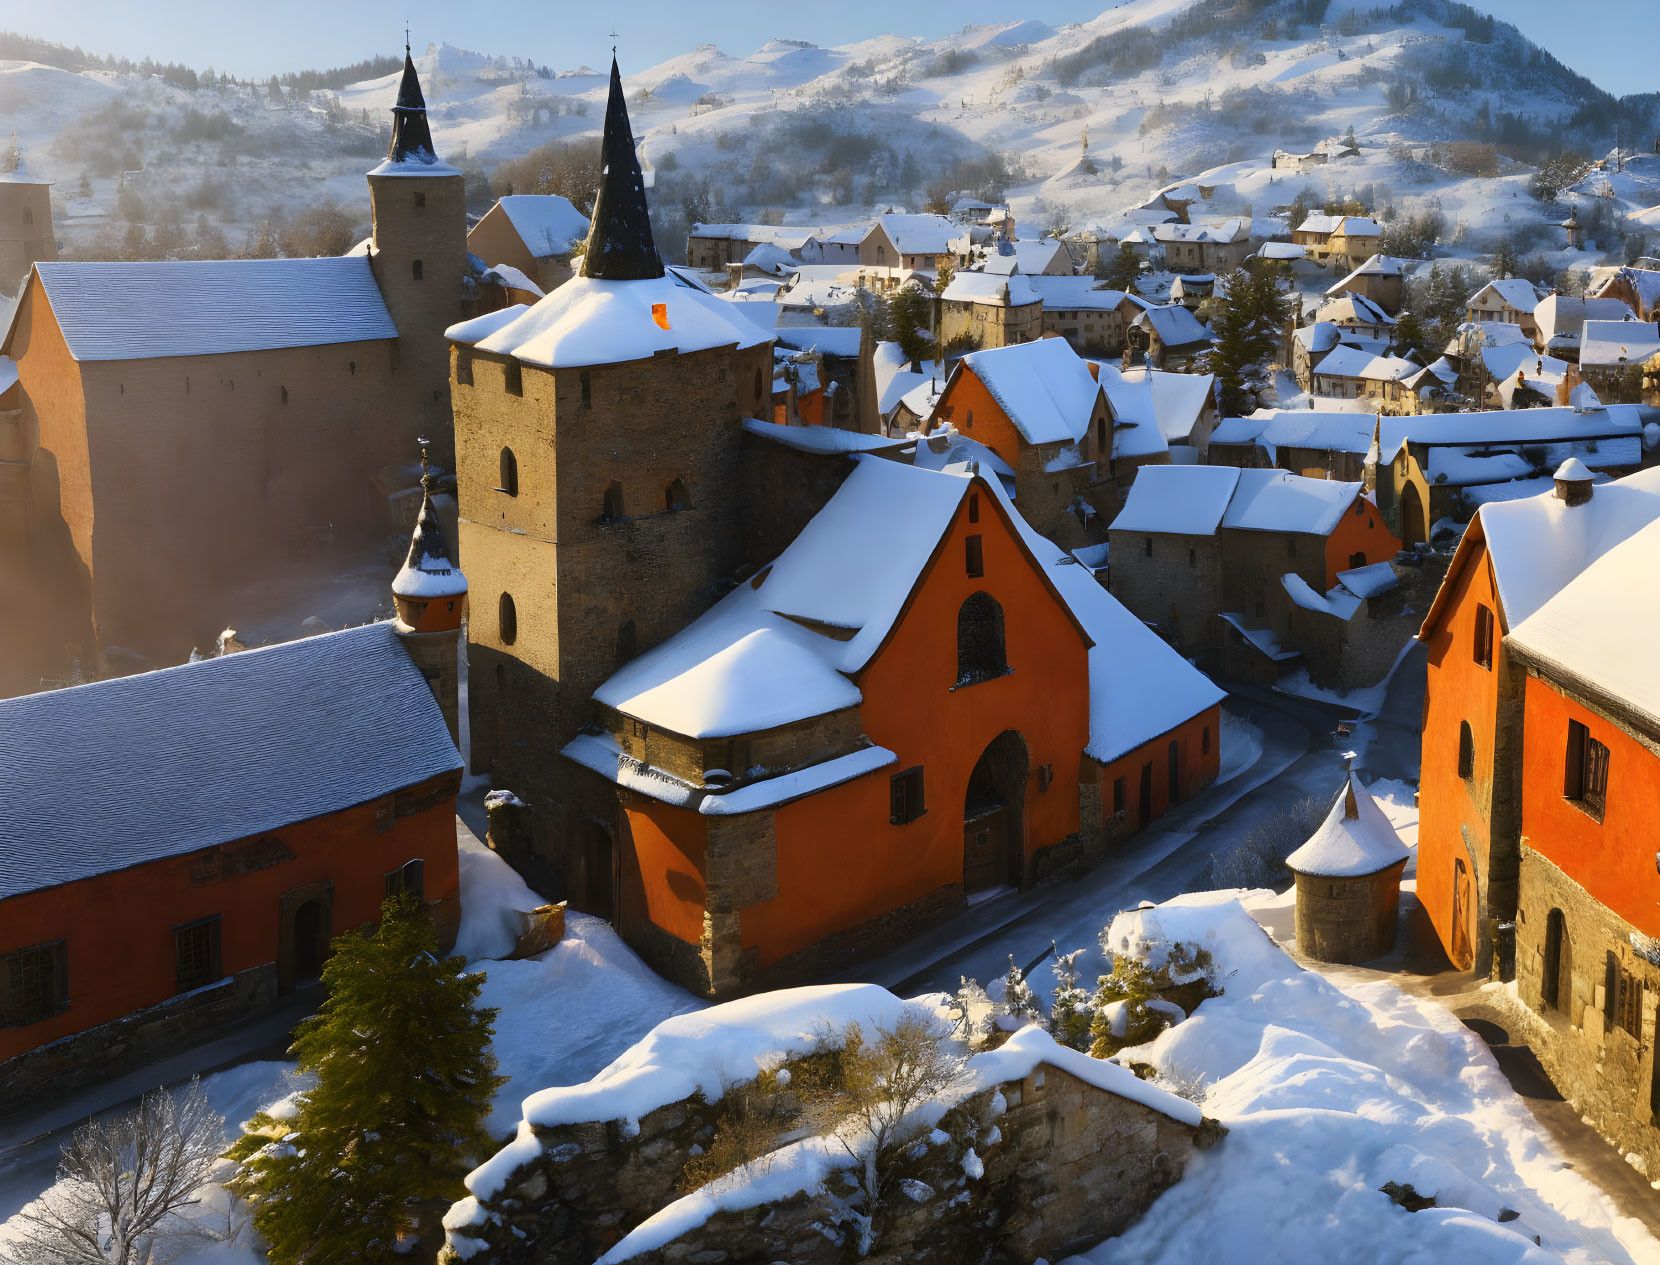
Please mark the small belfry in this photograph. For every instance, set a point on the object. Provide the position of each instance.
(620, 245)
(430, 593)
(411, 134)
(26, 236)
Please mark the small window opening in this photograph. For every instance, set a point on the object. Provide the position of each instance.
(974, 557)
(1120, 794)
(1466, 751)
(675, 497)
(509, 473)
(196, 953)
(973, 507)
(507, 619)
(409, 877)
(513, 378)
(905, 797)
(587, 390)
(416, 269)
(1483, 648)
(420, 197)
(1585, 781)
(612, 510)
(981, 654)
(285, 395)
(1147, 547)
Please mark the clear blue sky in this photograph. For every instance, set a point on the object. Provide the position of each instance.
(1609, 41)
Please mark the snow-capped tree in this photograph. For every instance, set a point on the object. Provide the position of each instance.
(1069, 1013)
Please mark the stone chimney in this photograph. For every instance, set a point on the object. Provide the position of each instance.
(1351, 809)
(1573, 482)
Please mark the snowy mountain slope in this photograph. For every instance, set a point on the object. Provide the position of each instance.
(1163, 90)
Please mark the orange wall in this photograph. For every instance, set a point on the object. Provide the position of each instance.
(964, 396)
(663, 880)
(1359, 533)
(1614, 859)
(840, 861)
(118, 926)
(1457, 689)
(1196, 766)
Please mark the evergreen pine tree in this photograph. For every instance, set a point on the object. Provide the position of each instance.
(1121, 1015)
(404, 1077)
(1504, 259)
(967, 1009)
(1119, 271)
(1019, 1006)
(1233, 322)
(911, 311)
(1069, 1015)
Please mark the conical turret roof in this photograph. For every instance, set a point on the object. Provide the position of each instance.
(428, 572)
(411, 137)
(620, 245)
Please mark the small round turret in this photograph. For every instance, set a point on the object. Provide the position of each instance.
(430, 593)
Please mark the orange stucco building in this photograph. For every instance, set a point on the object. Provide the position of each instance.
(296, 788)
(1514, 557)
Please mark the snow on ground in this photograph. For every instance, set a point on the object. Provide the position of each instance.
(1327, 1094)
(1365, 700)
(492, 896)
(1241, 746)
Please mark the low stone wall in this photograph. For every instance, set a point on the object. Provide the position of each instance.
(113, 1049)
(1033, 1168)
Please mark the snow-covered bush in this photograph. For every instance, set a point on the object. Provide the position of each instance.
(1069, 1013)
(1016, 1005)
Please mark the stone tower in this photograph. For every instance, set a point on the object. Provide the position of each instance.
(430, 594)
(597, 446)
(418, 250)
(25, 219)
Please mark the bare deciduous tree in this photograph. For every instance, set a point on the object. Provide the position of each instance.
(122, 1186)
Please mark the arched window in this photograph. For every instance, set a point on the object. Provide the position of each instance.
(626, 642)
(613, 509)
(1357, 560)
(980, 651)
(509, 476)
(1466, 751)
(28, 215)
(675, 498)
(507, 619)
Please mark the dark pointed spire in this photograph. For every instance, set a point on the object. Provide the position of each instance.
(427, 572)
(620, 246)
(411, 137)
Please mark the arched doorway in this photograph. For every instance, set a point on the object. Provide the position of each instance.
(994, 813)
(594, 883)
(1557, 983)
(1463, 955)
(306, 925)
(1413, 528)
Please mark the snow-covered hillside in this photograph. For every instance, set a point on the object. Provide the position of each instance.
(1163, 90)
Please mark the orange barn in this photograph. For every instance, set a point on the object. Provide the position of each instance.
(180, 846)
(916, 702)
(1513, 558)
(1588, 916)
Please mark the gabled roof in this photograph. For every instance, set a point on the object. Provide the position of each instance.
(546, 223)
(1618, 342)
(1346, 361)
(1518, 292)
(985, 287)
(1044, 388)
(139, 311)
(1080, 294)
(1495, 427)
(620, 245)
(1170, 403)
(1376, 266)
(1597, 630)
(920, 234)
(1181, 500)
(1562, 316)
(1176, 326)
(1331, 431)
(105, 776)
(1350, 308)
(1276, 500)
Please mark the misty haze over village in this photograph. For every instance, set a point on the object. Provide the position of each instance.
(1024, 645)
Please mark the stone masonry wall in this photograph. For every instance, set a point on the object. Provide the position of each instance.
(1182, 574)
(1057, 1164)
(1605, 1072)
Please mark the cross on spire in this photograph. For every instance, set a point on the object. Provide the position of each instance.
(620, 245)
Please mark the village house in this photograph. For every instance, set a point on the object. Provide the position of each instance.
(801, 718)
(1201, 248)
(1587, 932)
(1315, 444)
(715, 247)
(300, 784)
(1040, 408)
(1559, 322)
(1514, 558)
(1172, 413)
(911, 243)
(535, 233)
(1343, 241)
(1509, 301)
(25, 225)
(1380, 280)
(268, 404)
(1614, 357)
(1045, 257)
(1637, 288)
(1309, 345)
(695, 773)
(1094, 319)
(1170, 337)
(1515, 376)
(1284, 160)
(1428, 468)
(982, 310)
(1214, 558)
(1352, 373)
(1356, 317)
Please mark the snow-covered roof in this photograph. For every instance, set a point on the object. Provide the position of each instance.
(481, 327)
(985, 287)
(1330, 431)
(791, 237)
(1460, 467)
(1282, 251)
(588, 321)
(829, 340)
(1376, 266)
(414, 166)
(1538, 545)
(1507, 426)
(1349, 225)
(1517, 292)
(1355, 840)
(513, 279)
(1345, 361)
(920, 234)
(1596, 628)
(547, 223)
(1185, 500)
(1644, 283)
(105, 776)
(1029, 257)
(1175, 325)
(1614, 343)
(1044, 387)
(1369, 581)
(1170, 403)
(1218, 234)
(819, 439)
(1318, 337)
(1349, 308)
(1561, 316)
(1277, 500)
(1078, 294)
(138, 311)
(1338, 602)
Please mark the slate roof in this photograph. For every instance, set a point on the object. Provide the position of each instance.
(620, 245)
(546, 223)
(137, 311)
(110, 775)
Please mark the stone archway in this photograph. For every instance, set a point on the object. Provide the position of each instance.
(1414, 526)
(306, 925)
(994, 815)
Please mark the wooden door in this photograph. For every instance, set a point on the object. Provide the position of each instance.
(1144, 806)
(1462, 954)
(986, 849)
